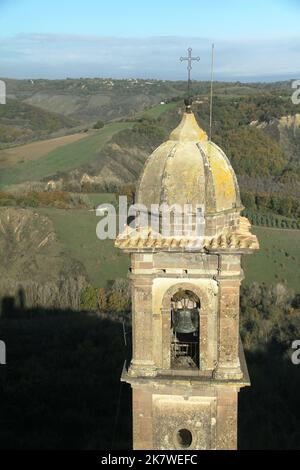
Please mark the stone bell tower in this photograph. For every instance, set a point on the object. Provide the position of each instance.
(188, 363)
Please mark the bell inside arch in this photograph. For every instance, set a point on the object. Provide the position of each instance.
(185, 313)
(185, 320)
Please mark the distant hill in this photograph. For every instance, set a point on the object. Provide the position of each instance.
(84, 101)
(261, 142)
(21, 122)
(255, 124)
(33, 264)
(286, 131)
(59, 160)
(259, 158)
(89, 99)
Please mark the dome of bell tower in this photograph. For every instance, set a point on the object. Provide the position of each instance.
(189, 169)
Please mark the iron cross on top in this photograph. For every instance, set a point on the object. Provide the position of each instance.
(189, 59)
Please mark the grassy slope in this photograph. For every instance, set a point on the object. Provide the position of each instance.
(35, 150)
(20, 122)
(95, 199)
(278, 258)
(17, 113)
(156, 111)
(64, 158)
(76, 229)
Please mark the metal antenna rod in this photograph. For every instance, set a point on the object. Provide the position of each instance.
(124, 333)
(211, 89)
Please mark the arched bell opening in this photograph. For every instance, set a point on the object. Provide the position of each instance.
(185, 309)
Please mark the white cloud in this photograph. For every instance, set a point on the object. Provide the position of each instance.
(57, 55)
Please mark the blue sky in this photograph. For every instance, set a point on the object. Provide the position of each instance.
(130, 38)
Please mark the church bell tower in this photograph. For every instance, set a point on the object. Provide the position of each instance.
(188, 363)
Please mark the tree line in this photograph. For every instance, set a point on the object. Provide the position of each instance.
(286, 206)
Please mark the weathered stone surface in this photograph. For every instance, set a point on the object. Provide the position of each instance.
(205, 174)
(208, 413)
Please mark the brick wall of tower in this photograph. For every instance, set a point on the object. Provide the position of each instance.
(227, 418)
(208, 412)
(160, 407)
(142, 322)
(142, 418)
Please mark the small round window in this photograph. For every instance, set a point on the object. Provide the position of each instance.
(184, 438)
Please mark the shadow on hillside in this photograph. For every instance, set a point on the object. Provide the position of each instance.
(269, 410)
(60, 388)
(14, 306)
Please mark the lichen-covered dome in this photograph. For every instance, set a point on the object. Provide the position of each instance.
(189, 169)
